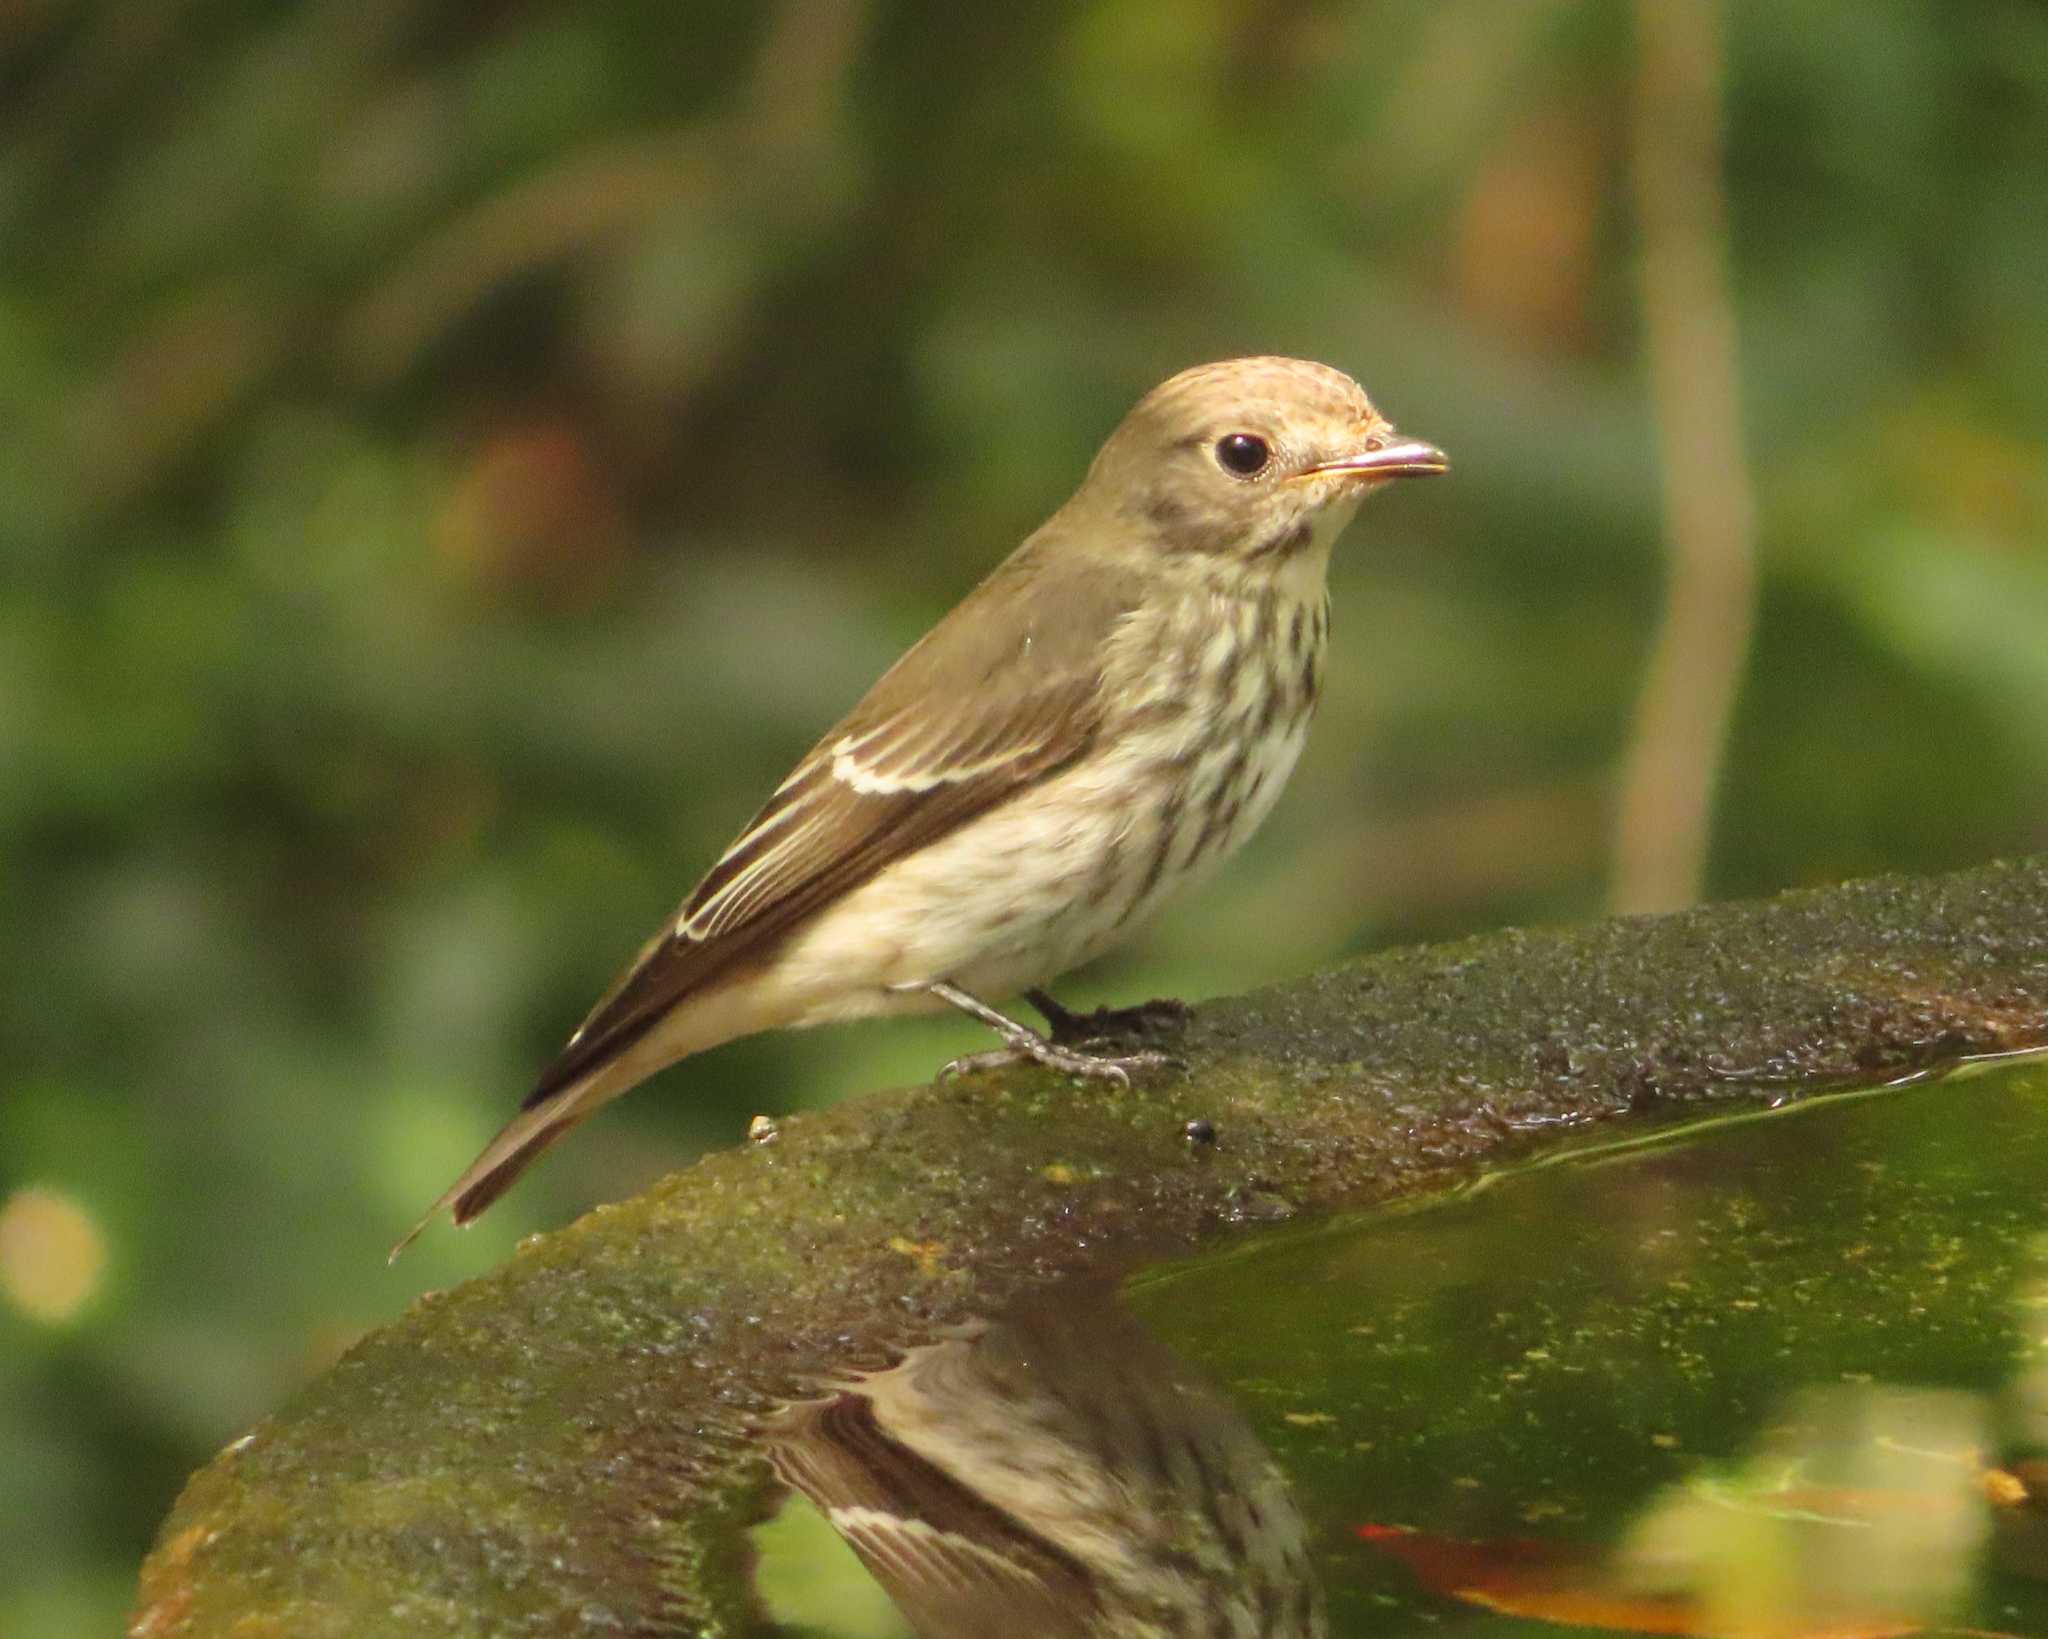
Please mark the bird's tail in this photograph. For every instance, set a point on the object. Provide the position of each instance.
(518, 1145)
(585, 1077)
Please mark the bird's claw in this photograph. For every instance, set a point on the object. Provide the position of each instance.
(1162, 1016)
(1116, 1070)
(1021, 1044)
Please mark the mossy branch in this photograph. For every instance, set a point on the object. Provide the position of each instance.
(564, 1444)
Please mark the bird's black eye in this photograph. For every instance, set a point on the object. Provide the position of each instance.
(1243, 453)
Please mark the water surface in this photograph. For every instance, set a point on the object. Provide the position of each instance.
(1778, 1375)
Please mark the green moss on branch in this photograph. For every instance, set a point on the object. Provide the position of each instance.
(563, 1445)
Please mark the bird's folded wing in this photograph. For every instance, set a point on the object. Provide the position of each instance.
(1001, 693)
(953, 1561)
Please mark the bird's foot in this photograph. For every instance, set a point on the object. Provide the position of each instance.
(1037, 1050)
(1023, 1045)
(1163, 1016)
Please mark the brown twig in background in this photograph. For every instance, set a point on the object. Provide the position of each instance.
(1681, 722)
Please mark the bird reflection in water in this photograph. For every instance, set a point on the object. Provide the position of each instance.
(1055, 1472)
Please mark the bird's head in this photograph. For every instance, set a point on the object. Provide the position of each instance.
(1256, 460)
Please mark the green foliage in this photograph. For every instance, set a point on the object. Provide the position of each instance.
(452, 459)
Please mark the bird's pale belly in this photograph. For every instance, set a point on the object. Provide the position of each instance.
(1197, 817)
(1049, 881)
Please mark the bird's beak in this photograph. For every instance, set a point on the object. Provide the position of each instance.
(1405, 458)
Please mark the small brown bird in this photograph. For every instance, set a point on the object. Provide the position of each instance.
(1056, 1473)
(1099, 723)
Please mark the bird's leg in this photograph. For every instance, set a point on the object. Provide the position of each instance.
(1071, 1029)
(1022, 1044)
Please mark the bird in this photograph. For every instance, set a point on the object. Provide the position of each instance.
(1100, 722)
(1055, 1472)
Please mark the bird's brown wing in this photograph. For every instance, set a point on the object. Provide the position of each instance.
(952, 1560)
(1001, 693)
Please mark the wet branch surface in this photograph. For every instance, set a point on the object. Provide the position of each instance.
(563, 1445)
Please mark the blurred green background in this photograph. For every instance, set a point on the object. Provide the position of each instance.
(453, 458)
